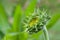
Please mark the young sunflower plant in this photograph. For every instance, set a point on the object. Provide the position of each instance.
(37, 22)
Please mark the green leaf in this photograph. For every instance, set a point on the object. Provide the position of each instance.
(9, 36)
(30, 7)
(53, 20)
(4, 25)
(17, 18)
(17, 24)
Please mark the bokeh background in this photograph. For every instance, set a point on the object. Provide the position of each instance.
(53, 7)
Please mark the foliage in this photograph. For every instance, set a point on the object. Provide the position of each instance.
(15, 32)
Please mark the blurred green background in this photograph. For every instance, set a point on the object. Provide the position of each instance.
(53, 7)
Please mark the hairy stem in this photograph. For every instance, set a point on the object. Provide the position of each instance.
(45, 33)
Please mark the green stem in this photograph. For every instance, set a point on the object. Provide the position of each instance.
(45, 33)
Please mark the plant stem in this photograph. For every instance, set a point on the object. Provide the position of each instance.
(45, 33)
